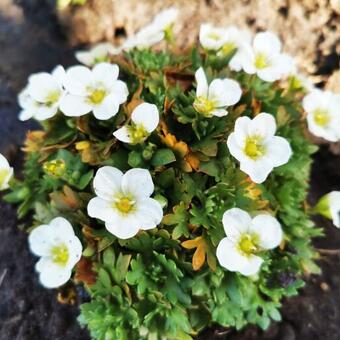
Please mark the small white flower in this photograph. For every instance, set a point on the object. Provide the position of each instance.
(223, 40)
(41, 98)
(59, 250)
(323, 114)
(212, 100)
(245, 238)
(97, 90)
(263, 57)
(145, 119)
(155, 32)
(254, 144)
(6, 173)
(98, 53)
(334, 207)
(123, 201)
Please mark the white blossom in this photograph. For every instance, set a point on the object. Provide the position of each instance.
(98, 53)
(264, 58)
(40, 99)
(329, 207)
(97, 90)
(123, 201)
(213, 99)
(144, 120)
(59, 250)
(6, 173)
(254, 144)
(246, 237)
(323, 114)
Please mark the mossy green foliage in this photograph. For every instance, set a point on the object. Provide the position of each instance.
(157, 285)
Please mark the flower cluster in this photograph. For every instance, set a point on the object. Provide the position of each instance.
(174, 187)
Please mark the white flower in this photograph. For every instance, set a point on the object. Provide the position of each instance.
(223, 40)
(253, 144)
(41, 98)
(123, 201)
(155, 32)
(59, 250)
(145, 119)
(329, 206)
(263, 58)
(98, 53)
(323, 114)
(245, 238)
(6, 173)
(97, 90)
(212, 100)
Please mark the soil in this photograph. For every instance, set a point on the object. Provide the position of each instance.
(30, 41)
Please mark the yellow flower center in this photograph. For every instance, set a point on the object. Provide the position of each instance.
(204, 105)
(214, 36)
(124, 204)
(227, 48)
(60, 255)
(253, 147)
(247, 244)
(138, 133)
(321, 117)
(52, 97)
(55, 168)
(3, 176)
(97, 96)
(261, 61)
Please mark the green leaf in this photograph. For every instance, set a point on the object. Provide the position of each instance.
(163, 157)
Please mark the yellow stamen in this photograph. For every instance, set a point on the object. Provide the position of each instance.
(97, 96)
(138, 133)
(261, 61)
(52, 97)
(60, 255)
(124, 204)
(55, 168)
(253, 147)
(227, 48)
(321, 117)
(204, 105)
(214, 36)
(247, 244)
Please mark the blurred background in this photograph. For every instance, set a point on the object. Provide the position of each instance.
(36, 35)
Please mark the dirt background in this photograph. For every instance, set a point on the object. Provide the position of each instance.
(31, 41)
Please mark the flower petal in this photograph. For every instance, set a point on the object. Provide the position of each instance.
(61, 226)
(138, 182)
(77, 79)
(229, 257)
(105, 73)
(39, 240)
(225, 92)
(74, 106)
(252, 266)
(147, 115)
(268, 229)
(235, 222)
(107, 182)
(54, 276)
(41, 85)
(279, 150)
(124, 228)
(267, 43)
(257, 170)
(149, 213)
(102, 209)
(120, 91)
(219, 112)
(202, 83)
(334, 206)
(107, 109)
(58, 74)
(263, 125)
(123, 135)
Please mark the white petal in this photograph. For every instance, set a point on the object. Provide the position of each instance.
(268, 229)
(312, 101)
(107, 109)
(74, 106)
(41, 85)
(328, 132)
(5, 181)
(62, 227)
(124, 228)
(123, 135)
(75, 249)
(138, 183)
(211, 38)
(267, 43)
(252, 266)
(107, 182)
(242, 127)
(102, 209)
(202, 83)
(43, 112)
(334, 205)
(225, 92)
(147, 115)
(120, 91)
(234, 147)
(77, 79)
(257, 170)
(229, 257)
(105, 73)
(58, 74)
(235, 222)
(263, 125)
(219, 112)
(236, 62)
(278, 150)
(4, 162)
(149, 213)
(85, 57)
(25, 115)
(40, 240)
(54, 276)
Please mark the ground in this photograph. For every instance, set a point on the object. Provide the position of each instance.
(30, 41)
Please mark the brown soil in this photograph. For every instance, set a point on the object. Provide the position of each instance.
(30, 41)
